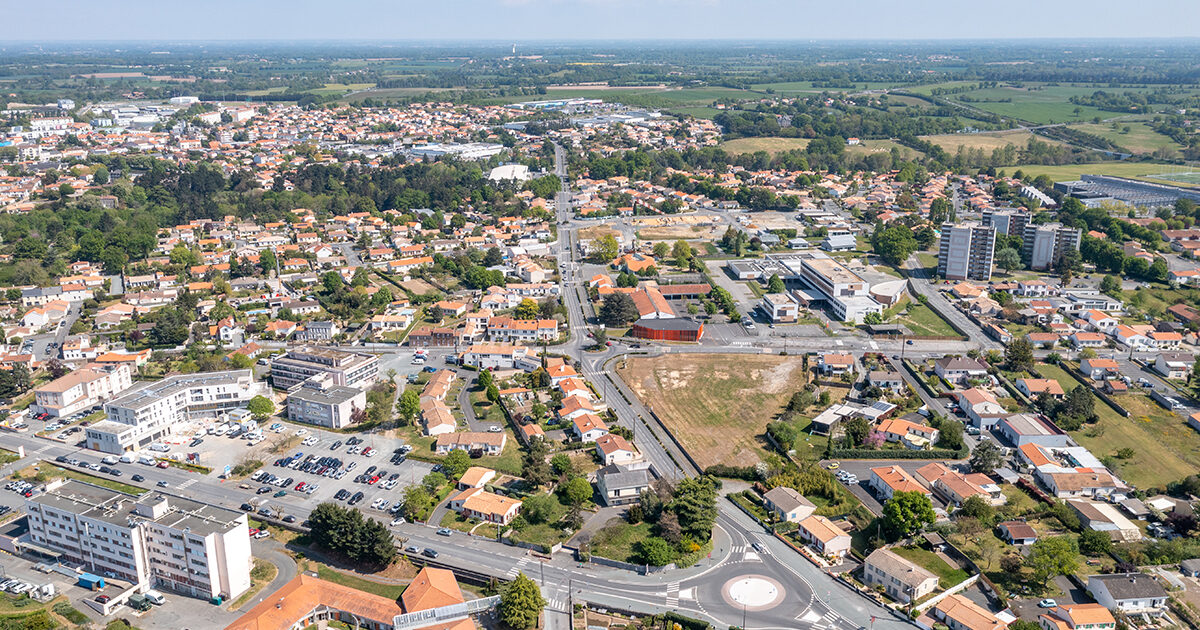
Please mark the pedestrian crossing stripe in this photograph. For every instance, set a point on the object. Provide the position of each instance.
(512, 573)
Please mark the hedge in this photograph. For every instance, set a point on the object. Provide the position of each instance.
(687, 623)
(866, 453)
(745, 473)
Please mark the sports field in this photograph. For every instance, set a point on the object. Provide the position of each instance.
(716, 405)
(1156, 173)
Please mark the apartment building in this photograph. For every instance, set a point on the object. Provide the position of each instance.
(155, 541)
(86, 387)
(348, 369)
(330, 406)
(965, 251)
(1042, 246)
(151, 411)
(1007, 221)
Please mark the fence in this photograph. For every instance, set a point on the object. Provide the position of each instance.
(961, 586)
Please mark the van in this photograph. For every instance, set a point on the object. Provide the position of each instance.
(128, 458)
(146, 461)
(110, 459)
(154, 597)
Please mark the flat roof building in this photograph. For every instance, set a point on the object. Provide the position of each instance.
(965, 251)
(349, 369)
(155, 540)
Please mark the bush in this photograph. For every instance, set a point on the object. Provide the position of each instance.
(746, 473)
(866, 453)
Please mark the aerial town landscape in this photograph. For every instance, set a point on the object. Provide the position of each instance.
(839, 334)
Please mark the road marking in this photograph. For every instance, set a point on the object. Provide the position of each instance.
(186, 484)
(688, 593)
(838, 341)
(809, 616)
(673, 594)
(512, 573)
(874, 346)
(752, 556)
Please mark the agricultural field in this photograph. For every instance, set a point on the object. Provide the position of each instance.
(770, 145)
(987, 141)
(876, 146)
(806, 87)
(717, 405)
(1037, 105)
(1069, 172)
(1140, 139)
(339, 88)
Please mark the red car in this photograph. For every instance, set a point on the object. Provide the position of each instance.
(253, 531)
(163, 465)
(373, 480)
(103, 599)
(301, 486)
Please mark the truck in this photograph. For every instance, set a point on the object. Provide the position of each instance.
(138, 602)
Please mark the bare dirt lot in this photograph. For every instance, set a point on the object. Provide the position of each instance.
(717, 405)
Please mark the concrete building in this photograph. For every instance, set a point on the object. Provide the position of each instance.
(332, 406)
(780, 308)
(349, 369)
(1007, 221)
(1042, 246)
(155, 541)
(86, 387)
(965, 251)
(151, 411)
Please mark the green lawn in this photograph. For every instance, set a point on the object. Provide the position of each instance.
(1165, 448)
(50, 471)
(455, 521)
(616, 539)
(947, 575)
(390, 591)
(922, 320)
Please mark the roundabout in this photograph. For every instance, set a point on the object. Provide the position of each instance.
(753, 592)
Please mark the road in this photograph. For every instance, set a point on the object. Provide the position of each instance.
(922, 281)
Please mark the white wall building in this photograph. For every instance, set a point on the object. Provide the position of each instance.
(155, 541)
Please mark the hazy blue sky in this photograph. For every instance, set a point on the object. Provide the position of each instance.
(596, 19)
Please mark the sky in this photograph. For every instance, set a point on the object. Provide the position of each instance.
(557, 20)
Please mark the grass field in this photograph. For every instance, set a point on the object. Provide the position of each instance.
(922, 320)
(48, 471)
(1043, 105)
(616, 539)
(696, 112)
(1165, 448)
(1140, 139)
(947, 575)
(717, 405)
(1134, 170)
(986, 141)
(770, 145)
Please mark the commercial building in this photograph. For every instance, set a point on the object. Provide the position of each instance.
(1042, 246)
(86, 387)
(780, 308)
(673, 329)
(348, 369)
(331, 406)
(151, 411)
(822, 280)
(1095, 189)
(965, 251)
(155, 541)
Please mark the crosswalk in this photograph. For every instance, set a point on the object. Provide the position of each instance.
(673, 595)
(512, 573)
(554, 603)
(187, 483)
(828, 621)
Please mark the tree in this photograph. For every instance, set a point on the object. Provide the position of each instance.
(486, 379)
(682, 252)
(456, 463)
(56, 368)
(695, 504)
(1094, 543)
(527, 309)
(1008, 259)
(986, 458)
(575, 491)
(493, 257)
(417, 502)
(908, 512)
(561, 463)
(410, 405)
(521, 603)
(1052, 556)
(537, 508)
(894, 244)
(433, 482)
(857, 429)
(661, 249)
(261, 406)
(606, 249)
(775, 285)
(654, 551)
(950, 435)
(1019, 355)
(1110, 285)
(100, 175)
(978, 508)
(618, 309)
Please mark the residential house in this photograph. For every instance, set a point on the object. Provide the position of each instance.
(824, 536)
(614, 449)
(1128, 593)
(1077, 617)
(960, 613)
(620, 485)
(1100, 369)
(787, 504)
(1106, 518)
(956, 487)
(834, 364)
(1174, 365)
(900, 578)
(588, 427)
(486, 506)
(981, 407)
(486, 442)
(1017, 533)
(912, 435)
(888, 480)
(1034, 387)
(959, 371)
(1081, 340)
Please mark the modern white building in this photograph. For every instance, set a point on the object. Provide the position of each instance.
(824, 279)
(156, 540)
(330, 406)
(86, 387)
(965, 251)
(151, 411)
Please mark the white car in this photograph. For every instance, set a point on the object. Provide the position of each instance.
(301, 431)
